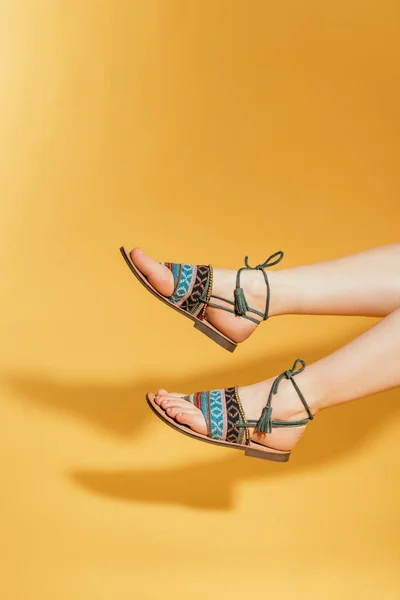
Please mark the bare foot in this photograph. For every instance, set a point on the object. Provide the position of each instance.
(224, 282)
(286, 407)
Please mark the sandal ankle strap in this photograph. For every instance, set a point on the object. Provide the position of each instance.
(241, 306)
(265, 422)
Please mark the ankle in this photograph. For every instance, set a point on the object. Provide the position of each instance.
(288, 404)
(312, 389)
(283, 295)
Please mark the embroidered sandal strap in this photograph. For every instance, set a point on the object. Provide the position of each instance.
(192, 283)
(223, 412)
(265, 424)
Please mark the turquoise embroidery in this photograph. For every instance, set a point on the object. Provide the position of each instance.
(183, 286)
(216, 415)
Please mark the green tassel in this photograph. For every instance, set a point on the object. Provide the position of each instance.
(264, 425)
(241, 305)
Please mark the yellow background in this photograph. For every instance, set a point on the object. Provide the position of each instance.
(202, 131)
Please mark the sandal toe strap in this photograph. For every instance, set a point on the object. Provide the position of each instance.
(222, 411)
(192, 286)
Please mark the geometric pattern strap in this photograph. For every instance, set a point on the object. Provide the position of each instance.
(212, 405)
(234, 434)
(191, 283)
(223, 412)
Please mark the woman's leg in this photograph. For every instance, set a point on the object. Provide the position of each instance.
(365, 284)
(367, 365)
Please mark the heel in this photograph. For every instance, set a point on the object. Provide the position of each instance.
(265, 455)
(215, 336)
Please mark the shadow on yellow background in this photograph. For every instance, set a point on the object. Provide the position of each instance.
(203, 132)
(122, 411)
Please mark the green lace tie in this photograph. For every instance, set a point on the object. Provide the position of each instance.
(265, 422)
(241, 306)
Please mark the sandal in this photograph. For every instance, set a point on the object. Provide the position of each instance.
(193, 294)
(226, 422)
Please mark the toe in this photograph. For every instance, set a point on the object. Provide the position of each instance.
(170, 401)
(173, 411)
(182, 411)
(158, 275)
(162, 392)
(162, 397)
(157, 399)
(195, 421)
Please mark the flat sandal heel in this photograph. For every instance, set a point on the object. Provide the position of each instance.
(265, 455)
(215, 336)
